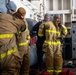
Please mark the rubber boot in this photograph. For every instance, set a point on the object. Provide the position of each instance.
(49, 64)
(58, 62)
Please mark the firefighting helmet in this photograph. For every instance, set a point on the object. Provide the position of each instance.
(47, 14)
(11, 5)
(21, 11)
(56, 15)
(3, 8)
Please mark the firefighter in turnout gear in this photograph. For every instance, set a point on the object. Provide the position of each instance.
(40, 41)
(23, 47)
(10, 59)
(52, 44)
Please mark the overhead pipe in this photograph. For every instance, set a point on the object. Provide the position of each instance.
(44, 6)
(7, 1)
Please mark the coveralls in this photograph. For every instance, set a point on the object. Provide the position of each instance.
(10, 60)
(52, 46)
(40, 42)
(24, 50)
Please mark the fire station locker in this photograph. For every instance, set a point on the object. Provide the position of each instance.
(74, 40)
(73, 49)
(73, 30)
(74, 33)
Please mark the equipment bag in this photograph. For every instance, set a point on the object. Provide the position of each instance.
(43, 73)
(33, 72)
(66, 72)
